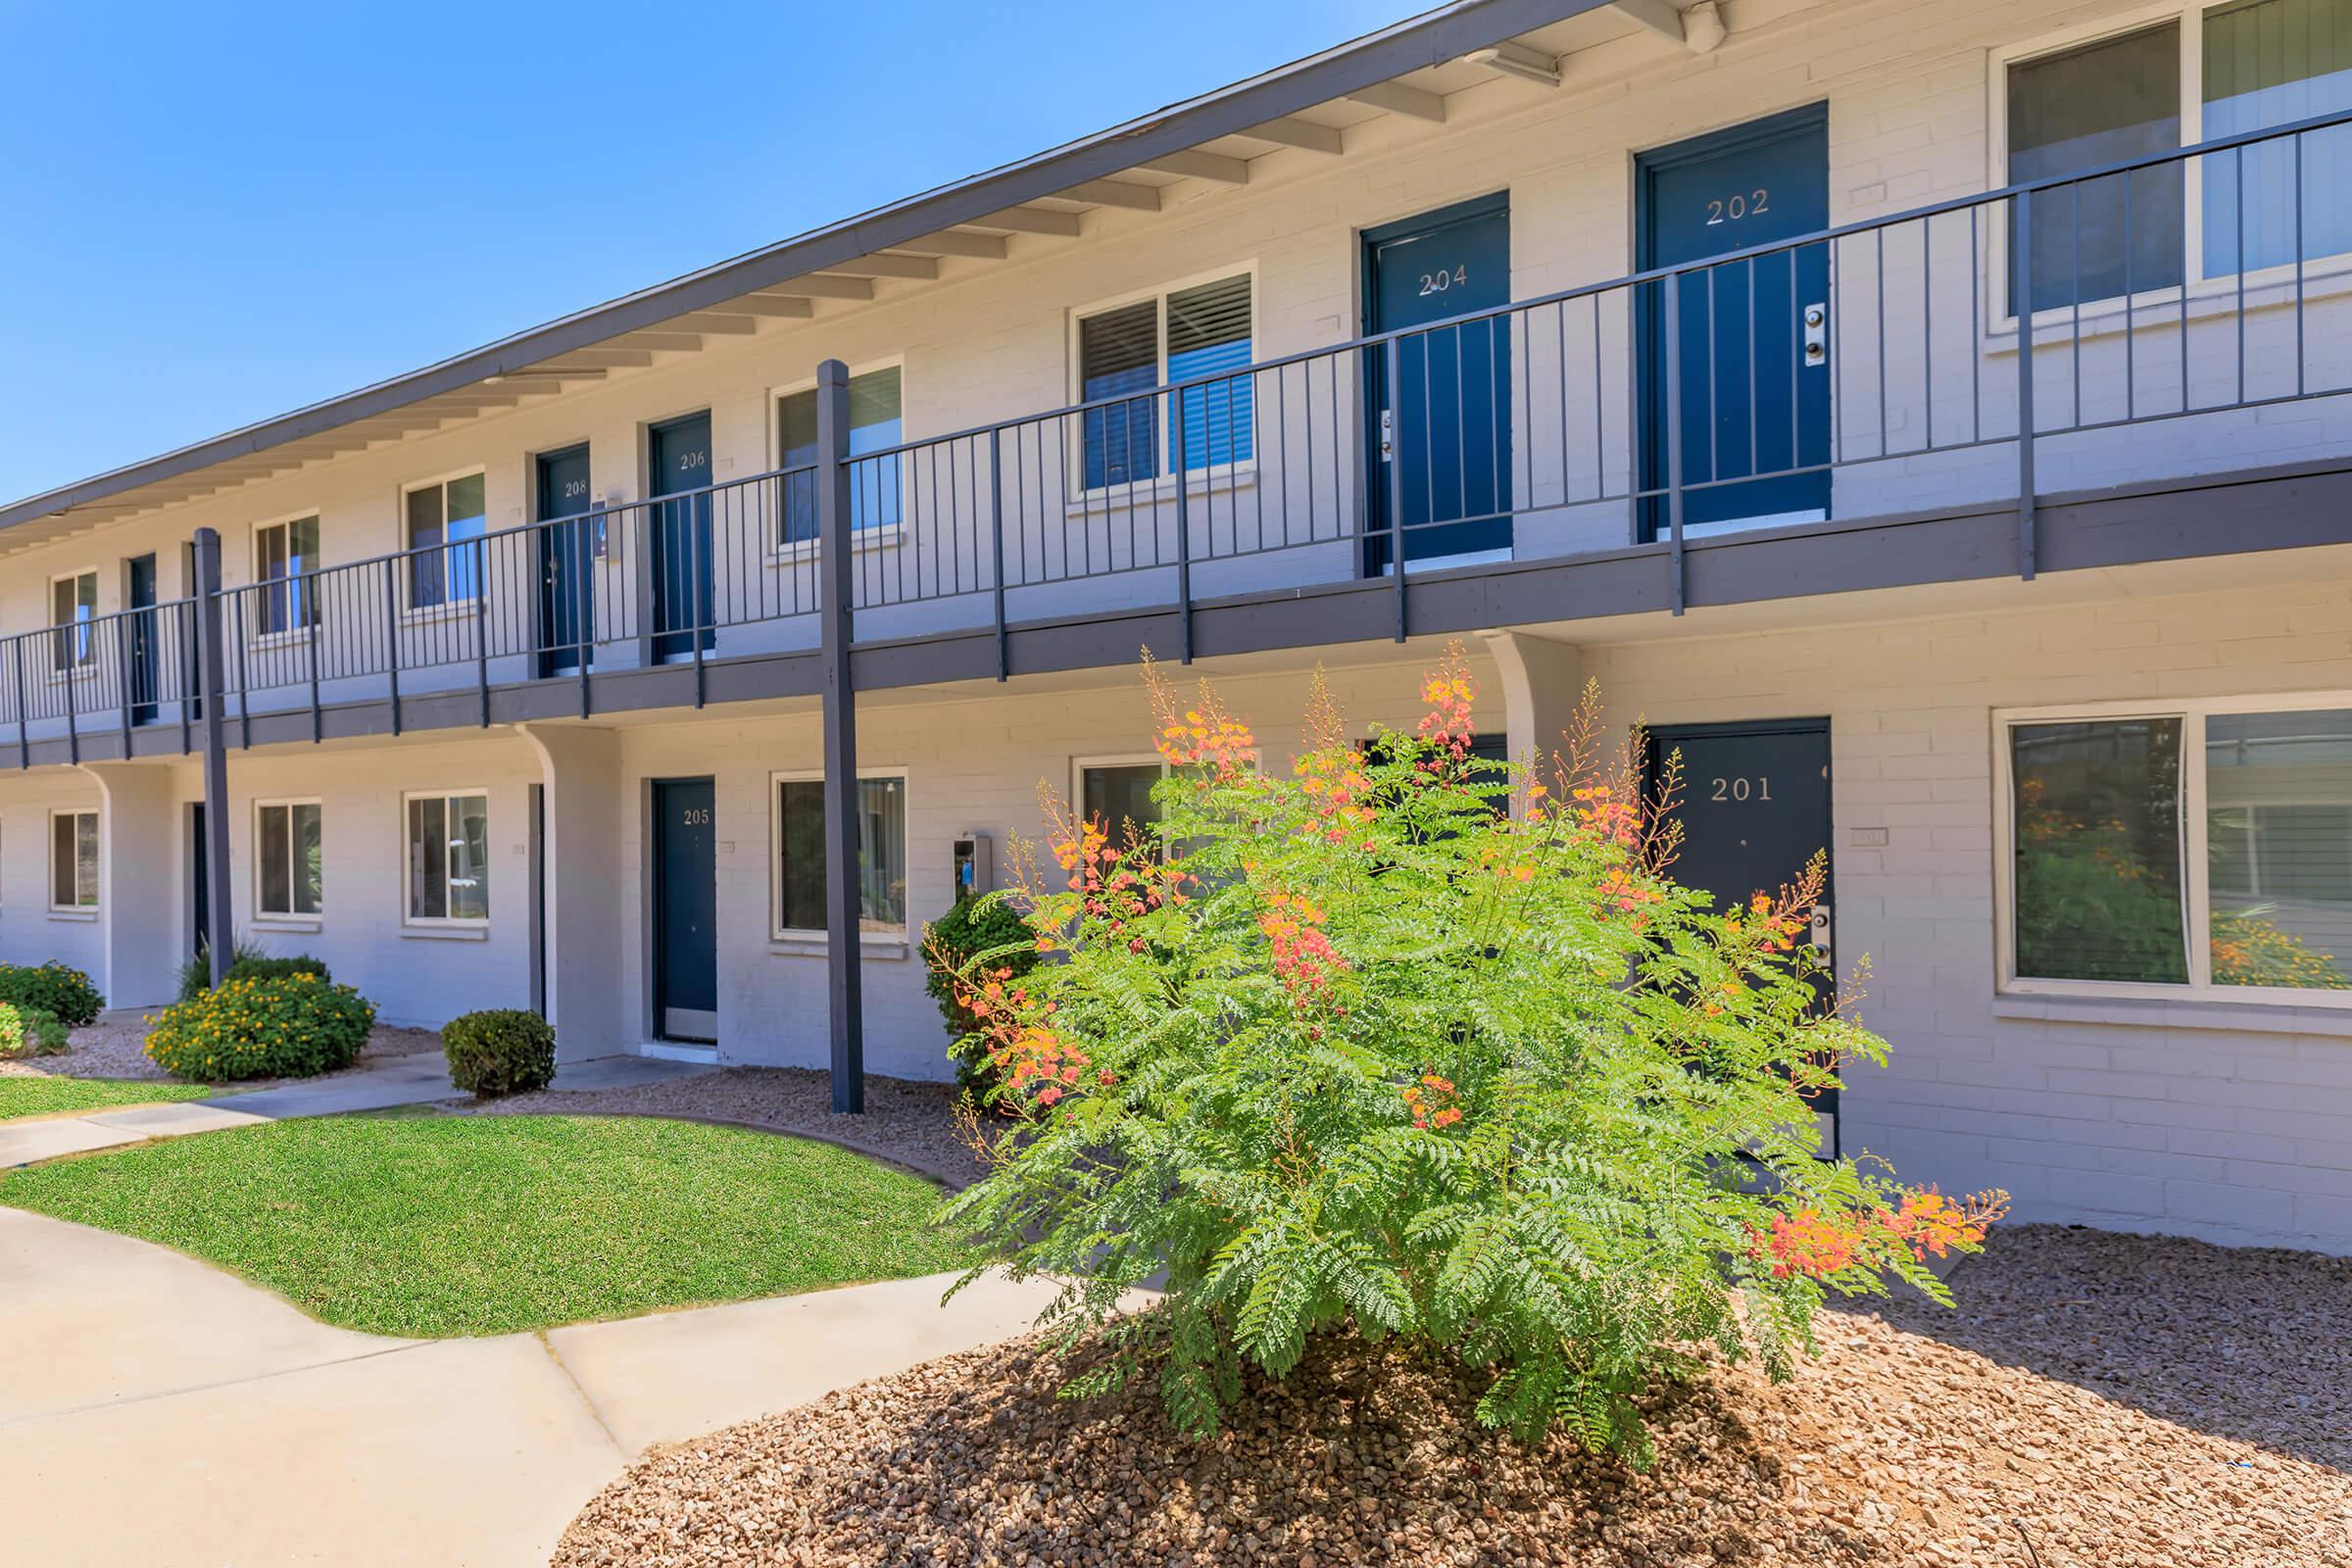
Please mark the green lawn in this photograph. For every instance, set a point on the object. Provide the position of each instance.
(45, 1097)
(428, 1226)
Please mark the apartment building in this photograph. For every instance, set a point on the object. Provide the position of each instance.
(1927, 415)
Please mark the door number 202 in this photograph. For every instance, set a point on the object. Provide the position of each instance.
(1758, 788)
(1438, 281)
(1731, 209)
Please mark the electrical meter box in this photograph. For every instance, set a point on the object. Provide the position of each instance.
(975, 865)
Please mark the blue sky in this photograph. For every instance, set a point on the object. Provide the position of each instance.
(210, 214)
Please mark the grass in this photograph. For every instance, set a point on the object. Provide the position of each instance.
(430, 1226)
(47, 1097)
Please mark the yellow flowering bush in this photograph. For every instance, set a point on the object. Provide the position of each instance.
(57, 988)
(291, 1026)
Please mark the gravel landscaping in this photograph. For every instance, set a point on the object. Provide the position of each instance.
(111, 1049)
(2101, 1401)
(910, 1123)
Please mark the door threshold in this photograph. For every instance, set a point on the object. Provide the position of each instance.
(680, 1051)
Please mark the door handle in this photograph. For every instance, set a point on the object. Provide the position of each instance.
(1819, 938)
(1816, 318)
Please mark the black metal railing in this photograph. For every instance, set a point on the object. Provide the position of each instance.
(1875, 367)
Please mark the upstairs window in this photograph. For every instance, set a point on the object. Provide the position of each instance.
(445, 523)
(876, 422)
(283, 556)
(1179, 336)
(73, 608)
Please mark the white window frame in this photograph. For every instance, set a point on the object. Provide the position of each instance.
(49, 860)
(2194, 890)
(450, 604)
(261, 584)
(464, 922)
(2264, 286)
(1081, 765)
(777, 930)
(289, 916)
(783, 552)
(80, 667)
(1163, 483)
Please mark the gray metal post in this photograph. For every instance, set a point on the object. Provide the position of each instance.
(221, 939)
(843, 998)
(2020, 269)
(1673, 287)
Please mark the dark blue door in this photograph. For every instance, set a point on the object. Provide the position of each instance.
(679, 457)
(685, 909)
(139, 593)
(1440, 436)
(1754, 808)
(1755, 404)
(565, 560)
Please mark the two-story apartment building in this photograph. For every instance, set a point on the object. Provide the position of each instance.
(1928, 416)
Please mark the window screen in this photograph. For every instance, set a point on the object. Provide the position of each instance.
(2115, 98)
(2279, 848)
(2272, 63)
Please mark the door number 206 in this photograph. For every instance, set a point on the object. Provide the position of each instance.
(1758, 788)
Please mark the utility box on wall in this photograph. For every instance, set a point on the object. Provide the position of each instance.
(975, 865)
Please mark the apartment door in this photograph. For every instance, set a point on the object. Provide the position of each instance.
(142, 650)
(685, 910)
(200, 882)
(565, 548)
(1754, 808)
(678, 532)
(1440, 436)
(1754, 397)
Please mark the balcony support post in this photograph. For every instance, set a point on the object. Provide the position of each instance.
(2020, 269)
(392, 637)
(843, 956)
(1393, 456)
(1183, 530)
(1673, 287)
(211, 688)
(122, 625)
(995, 544)
(314, 627)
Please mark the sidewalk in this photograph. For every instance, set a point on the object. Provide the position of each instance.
(380, 1085)
(157, 1410)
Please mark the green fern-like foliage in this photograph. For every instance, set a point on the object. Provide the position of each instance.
(1359, 1048)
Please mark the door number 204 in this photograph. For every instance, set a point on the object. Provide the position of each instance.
(1731, 209)
(1758, 788)
(1438, 281)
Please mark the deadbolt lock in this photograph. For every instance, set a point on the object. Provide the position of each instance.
(1817, 334)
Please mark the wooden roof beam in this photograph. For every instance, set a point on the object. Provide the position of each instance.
(1402, 98)
(955, 242)
(1193, 164)
(1115, 193)
(1031, 220)
(1304, 135)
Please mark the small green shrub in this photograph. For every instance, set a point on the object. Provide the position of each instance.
(29, 1032)
(499, 1051)
(57, 988)
(988, 933)
(247, 960)
(262, 966)
(294, 1026)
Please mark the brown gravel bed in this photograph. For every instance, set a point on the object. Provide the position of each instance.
(910, 1122)
(2078, 1393)
(111, 1048)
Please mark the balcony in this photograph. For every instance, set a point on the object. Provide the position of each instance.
(1860, 406)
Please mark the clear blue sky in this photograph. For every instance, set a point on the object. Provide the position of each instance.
(210, 214)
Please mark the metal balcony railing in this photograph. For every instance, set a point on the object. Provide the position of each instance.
(1862, 371)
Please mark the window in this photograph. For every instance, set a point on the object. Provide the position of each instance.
(449, 857)
(1178, 336)
(283, 554)
(801, 846)
(442, 515)
(1118, 794)
(289, 877)
(72, 859)
(73, 608)
(2208, 850)
(875, 421)
(2218, 70)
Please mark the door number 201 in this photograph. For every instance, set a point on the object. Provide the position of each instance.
(1758, 788)
(1438, 282)
(1731, 209)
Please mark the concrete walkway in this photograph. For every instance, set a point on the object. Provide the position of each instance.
(157, 1410)
(379, 1084)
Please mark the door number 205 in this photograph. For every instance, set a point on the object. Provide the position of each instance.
(1758, 788)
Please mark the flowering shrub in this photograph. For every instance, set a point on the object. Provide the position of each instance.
(499, 1051)
(1373, 1055)
(292, 1026)
(991, 932)
(27, 1031)
(57, 988)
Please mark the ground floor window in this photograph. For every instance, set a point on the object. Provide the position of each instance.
(73, 860)
(449, 857)
(800, 837)
(2205, 849)
(289, 876)
(1118, 794)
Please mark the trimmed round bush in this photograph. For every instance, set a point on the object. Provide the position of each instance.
(499, 1051)
(974, 927)
(294, 1026)
(57, 988)
(26, 1031)
(261, 967)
